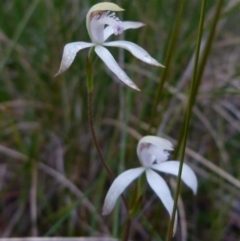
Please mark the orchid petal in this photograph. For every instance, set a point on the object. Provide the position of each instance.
(105, 6)
(172, 167)
(135, 50)
(146, 157)
(160, 187)
(69, 53)
(118, 186)
(108, 59)
(98, 23)
(159, 142)
(109, 30)
(160, 155)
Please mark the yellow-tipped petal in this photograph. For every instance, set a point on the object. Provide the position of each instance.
(104, 6)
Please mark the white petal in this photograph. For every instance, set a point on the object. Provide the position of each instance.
(146, 157)
(97, 8)
(160, 155)
(132, 25)
(108, 59)
(159, 142)
(69, 53)
(118, 186)
(172, 167)
(136, 50)
(100, 20)
(97, 31)
(108, 31)
(160, 187)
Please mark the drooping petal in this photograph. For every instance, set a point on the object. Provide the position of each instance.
(136, 50)
(160, 187)
(108, 59)
(118, 186)
(155, 146)
(69, 54)
(109, 30)
(172, 167)
(98, 8)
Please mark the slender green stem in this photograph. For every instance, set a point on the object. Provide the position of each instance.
(167, 63)
(96, 143)
(198, 73)
(194, 88)
(208, 45)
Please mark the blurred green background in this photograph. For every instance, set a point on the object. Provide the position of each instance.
(51, 181)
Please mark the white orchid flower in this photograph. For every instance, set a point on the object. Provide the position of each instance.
(153, 153)
(98, 17)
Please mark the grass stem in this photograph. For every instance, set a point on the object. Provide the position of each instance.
(187, 118)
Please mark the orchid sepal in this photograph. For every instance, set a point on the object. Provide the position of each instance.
(110, 62)
(118, 186)
(135, 50)
(172, 167)
(69, 53)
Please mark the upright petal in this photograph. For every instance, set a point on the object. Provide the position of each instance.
(98, 8)
(99, 21)
(69, 53)
(108, 59)
(109, 30)
(136, 50)
(157, 142)
(172, 167)
(118, 186)
(160, 187)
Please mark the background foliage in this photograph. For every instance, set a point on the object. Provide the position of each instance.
(51, 182)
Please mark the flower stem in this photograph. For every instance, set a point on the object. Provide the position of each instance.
(96, 143)
(90, 116)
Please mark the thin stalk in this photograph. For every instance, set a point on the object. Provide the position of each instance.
(90, 114)
(208, 45)
(187, 119)
(95, 141)
(94, 137)
(199, 73)
(167, 62)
